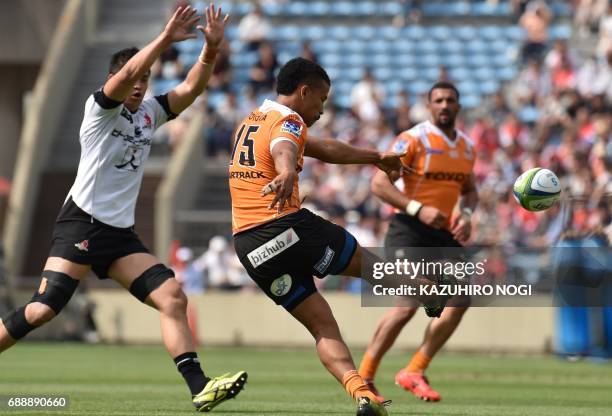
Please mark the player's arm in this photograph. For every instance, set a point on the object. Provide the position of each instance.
(339, 153)
(197, 78)
(284, 154)
(390, 194)
(119, 85)
(462, 225)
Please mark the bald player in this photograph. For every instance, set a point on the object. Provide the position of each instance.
(441, 159)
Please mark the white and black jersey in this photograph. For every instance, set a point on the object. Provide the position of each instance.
(115, 143)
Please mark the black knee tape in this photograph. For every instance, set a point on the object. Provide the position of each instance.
(55, 290)
(16, 324)
(150, 280)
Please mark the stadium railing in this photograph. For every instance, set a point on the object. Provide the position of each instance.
(59, 70)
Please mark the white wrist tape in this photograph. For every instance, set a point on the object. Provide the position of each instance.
(413, 208)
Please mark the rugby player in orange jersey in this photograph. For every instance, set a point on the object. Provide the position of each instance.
(282, 246)
(441, 159)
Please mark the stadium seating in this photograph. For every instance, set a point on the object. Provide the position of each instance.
(479, 57)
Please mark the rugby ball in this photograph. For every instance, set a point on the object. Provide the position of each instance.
(537, 189)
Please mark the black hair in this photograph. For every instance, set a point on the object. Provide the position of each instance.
(120, 58)
(299, 71)
(443, 85)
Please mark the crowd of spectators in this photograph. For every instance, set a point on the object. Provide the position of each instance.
(555, 114)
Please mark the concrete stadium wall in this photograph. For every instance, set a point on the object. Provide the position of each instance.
(251, 319)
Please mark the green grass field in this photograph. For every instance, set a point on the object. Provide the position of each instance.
(122, 380)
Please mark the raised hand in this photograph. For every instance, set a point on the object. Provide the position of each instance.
(215, 27)
(180, 25)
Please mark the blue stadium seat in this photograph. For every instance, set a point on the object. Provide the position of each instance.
(488, 87)
(435, 9)
(162, 86)
(506, 73)
(529, 114)
(314, 32)
(380, 59)
(427, 46)
(429, 60)
(500, 46)
(406, 73)
(483, 73)
(365, 8)
(404, 60)
(451, 46)
(333, 72)
(429, 74)
(356, 60)
(284, 56)
(327, 46)
(388, 33)
(354, 73)
(465, 32)
(241, 75)
(491, 33)
(288, 32)
(459, 74)
(378, 46)
(476, 46)
(451, 60)
(296, 9)
(353, 46)
(331, 59)
(392, 87)
(440, 32)
(342, 101)
(487, 9)
(468, 87)
(342, 8)
(418, 87)
(413, 32)
(514, 32)
(390, 8)
(319, 8)
(479, 61)
(382, 74)
(560, 32)
(231, 32)
(189, 46)
(561, 8)
(338, 32)
(403, 46)
(188, 59)
(244, 59)
(241, 8)
(502, 60)
(364, 32)
(470, 101)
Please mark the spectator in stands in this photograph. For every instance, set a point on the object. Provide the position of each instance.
(218, 265)
(605, 32)
(254, 28)
(186, 273)
(261, 76)
(559, 52)
(400, 115)
(367, 97)
(532, 84)
(443, 75)
(168, 66)
(588, 13)
(308, 53)
(535, 21)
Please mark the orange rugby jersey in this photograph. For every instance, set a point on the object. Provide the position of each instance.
(252, 166)
(442, 165)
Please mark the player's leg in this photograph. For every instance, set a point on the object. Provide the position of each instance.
(385, 334)
(316, 315)
(438, 331)
(154, 284)
(60, 279)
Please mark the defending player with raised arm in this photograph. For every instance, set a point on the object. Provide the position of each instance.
(440, 178)
(94, 230)
(282, 246)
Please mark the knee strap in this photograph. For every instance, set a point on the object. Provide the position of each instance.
(150, 280)
(16, 324)
(55, 290)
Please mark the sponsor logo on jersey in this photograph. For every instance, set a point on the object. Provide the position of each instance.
(83, 245)
(400, 146)
(273, 247)
(292, 127)
(281, 285)
(247, 175)
(446, 176)
(148, 121)
(325, 261)
(434, 151)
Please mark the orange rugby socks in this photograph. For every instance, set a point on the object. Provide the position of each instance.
(369, 366)
(418, 363)
(354, 385)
